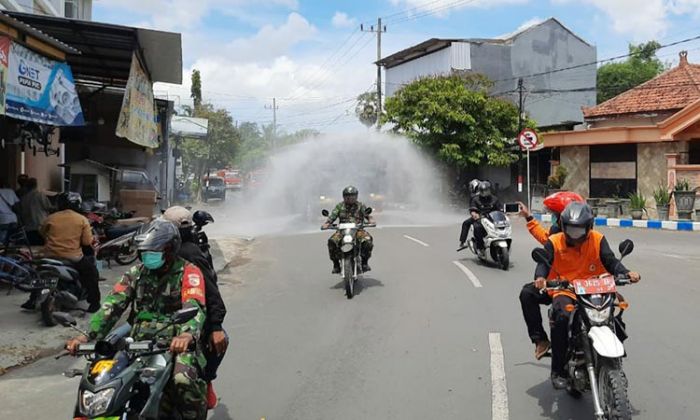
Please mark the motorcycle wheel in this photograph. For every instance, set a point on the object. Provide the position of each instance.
(127, 258)
(349, 282)
(612, 389)
(48, 307)
(505, 259)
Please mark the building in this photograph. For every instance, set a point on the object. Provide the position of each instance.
(644, 138)
(72, 9)
(552, 99)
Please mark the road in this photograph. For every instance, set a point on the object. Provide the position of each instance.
(420, 341)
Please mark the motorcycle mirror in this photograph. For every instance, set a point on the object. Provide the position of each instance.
(540, 255)
(368, 211)
(184, 315)
(64, 318)
(201, 218)
(324, 212)
(626, 247)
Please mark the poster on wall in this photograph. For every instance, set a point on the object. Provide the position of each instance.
(4, 64)
(41, 90)
(137, 120)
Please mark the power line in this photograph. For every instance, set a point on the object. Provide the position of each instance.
(431, 12)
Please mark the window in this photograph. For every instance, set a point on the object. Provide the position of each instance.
(694, 152)
(71, 9)
(84, 184)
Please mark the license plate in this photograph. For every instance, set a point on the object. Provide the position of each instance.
(102, 366)
(596, 285)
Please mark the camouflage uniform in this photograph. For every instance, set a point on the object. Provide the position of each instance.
(153, 300)
(354, 213)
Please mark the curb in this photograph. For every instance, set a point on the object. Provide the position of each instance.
(687, 226)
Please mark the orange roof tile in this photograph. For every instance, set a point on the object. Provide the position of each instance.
(671, 90)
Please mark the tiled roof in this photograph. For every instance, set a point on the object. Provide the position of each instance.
(671, 90)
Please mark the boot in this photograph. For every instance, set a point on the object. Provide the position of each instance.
(212, 399)
(336, 267)
(365, 265)
(541, 348)
(558, 381)
(29, 305)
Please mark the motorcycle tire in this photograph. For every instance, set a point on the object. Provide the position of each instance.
(612, 389)
(48, 307)
(505, 259)
(126, 258)
(348, 274)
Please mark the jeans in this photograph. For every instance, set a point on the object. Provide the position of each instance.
(530, 301)
(479, 232)
(213, 359)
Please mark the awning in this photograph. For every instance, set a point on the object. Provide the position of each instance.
(106, 49)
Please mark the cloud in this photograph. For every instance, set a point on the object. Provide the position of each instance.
(341, 20)
(443, 8)
(525, 25)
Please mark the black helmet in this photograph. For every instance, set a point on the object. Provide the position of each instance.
(201, 218)
(474, 186)
(484, 188)
(159, 235)
(68, 201)
(350, 190)
(576, 221)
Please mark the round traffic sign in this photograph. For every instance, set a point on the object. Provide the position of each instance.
(528, 139)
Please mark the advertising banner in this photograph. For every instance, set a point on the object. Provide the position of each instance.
(4, 67)
(41, 90)
(137, 119)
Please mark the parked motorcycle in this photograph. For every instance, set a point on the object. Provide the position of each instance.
(595, 351)
(351, 265)
(60, 290)
(124, 379)
(497, 240)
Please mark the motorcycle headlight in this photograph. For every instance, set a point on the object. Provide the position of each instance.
(346, 247)
(95, 404)
(598, 316)
(347, 239)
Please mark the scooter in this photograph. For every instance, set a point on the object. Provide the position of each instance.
(60, 289)
(497, 240)
(351, 266)
(595, 351)
(124, 379)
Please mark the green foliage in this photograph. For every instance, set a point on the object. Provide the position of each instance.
(454, 119)
(556, 180)
(662, 196)
(196, 89)
(641, 66)
(366, 109)
(257, 143)
(682, 185)
(638, 201)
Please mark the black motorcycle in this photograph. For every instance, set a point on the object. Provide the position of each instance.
(124, 379)
(202, 218)
(351, 266)
(60, 289)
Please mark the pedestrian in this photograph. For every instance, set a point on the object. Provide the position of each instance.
(8, 206)
(34, 209)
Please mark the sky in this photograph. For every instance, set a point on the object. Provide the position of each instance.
(312, 56)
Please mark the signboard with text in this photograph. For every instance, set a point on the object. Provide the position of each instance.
(137, 119)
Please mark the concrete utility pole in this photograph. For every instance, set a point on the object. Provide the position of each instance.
(378, 30)
(520, 128)
(274, 121)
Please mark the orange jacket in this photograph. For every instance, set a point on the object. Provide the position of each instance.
(537, 231)
(579, 262)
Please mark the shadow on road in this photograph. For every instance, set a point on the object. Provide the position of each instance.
(560, 405)
(361, 285)
(221, 412)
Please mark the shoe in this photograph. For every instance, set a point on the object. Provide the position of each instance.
(366, 268)
(336, 268)
(94, 307)
(212, 399)
(29, 305)
(541, 348)
(461, 244)
(559, 382)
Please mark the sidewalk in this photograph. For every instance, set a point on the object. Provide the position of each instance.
(24, 338)
(682, 225)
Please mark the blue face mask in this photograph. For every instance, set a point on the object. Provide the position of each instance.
(152, 260)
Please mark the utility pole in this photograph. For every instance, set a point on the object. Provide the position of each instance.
(274, 121)
(378, 30)
(520, 129)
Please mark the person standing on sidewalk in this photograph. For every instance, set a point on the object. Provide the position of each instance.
(8, 218)
(34, 209)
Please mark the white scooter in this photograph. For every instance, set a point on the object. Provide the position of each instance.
(497, 240)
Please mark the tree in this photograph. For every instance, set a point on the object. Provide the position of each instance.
(196, 89)
(640, 66)
(366, 109)
(454, 119)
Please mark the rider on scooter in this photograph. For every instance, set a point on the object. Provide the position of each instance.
(483, 203)
(530, 296)
(575, 253)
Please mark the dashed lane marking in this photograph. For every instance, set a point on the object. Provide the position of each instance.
(418, 241)
(499, 390)
(475, 281)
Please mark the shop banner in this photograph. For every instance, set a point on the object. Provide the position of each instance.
(4, 64)
(137, 119)
(41, 90)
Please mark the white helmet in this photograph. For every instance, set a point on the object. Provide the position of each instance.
(474, 186)
(180, 216)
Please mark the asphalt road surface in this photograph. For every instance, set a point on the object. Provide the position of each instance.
(425, 338)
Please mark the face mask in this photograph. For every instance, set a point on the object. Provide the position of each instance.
(152, 260)
(575, 232)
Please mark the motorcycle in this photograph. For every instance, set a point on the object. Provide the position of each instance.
(124, 379)
(351, 266)
(497, 240)
(200, 219)
(595, 350)
(116, 242)
(60, 289)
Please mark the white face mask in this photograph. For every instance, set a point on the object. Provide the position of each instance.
(575, 232)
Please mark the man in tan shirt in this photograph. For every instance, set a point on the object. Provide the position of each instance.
(66, 233)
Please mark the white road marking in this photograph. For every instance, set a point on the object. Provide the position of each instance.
(475, 281)
(418, 241)
(499, 390)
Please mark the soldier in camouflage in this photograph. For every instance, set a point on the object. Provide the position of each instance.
(163, 284)
(349, 211)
